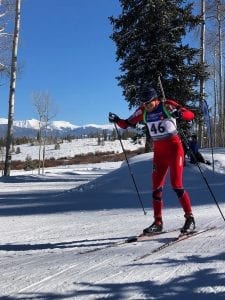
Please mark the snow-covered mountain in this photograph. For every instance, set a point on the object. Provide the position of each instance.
(57, 128)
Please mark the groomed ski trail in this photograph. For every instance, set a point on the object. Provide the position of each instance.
(180, 238)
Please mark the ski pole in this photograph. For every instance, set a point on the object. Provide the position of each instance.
(181, 133)
(130, 171)
(161, 88)
(200, 169)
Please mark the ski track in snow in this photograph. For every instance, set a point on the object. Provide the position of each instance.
(51, 255)
(95, 267)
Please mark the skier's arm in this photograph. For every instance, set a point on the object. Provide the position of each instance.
(182, 112)
(136, 117)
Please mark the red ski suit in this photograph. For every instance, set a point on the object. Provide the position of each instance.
(168, 150)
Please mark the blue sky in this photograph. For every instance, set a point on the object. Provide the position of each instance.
(65, 49)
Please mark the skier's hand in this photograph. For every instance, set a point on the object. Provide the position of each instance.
(176, 113)
(189, 124)
(113, 118)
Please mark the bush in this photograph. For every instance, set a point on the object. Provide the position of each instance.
(57, 146)
(29, 165)
(18, 151)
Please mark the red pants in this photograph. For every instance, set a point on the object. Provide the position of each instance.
(169, 154)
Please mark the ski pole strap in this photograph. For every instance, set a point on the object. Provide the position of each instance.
(167, 113)
(144, 116)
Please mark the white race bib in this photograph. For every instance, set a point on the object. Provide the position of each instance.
(162, 128)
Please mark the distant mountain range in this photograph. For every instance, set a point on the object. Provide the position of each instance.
(29, 128)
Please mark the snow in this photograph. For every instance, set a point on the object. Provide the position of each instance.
(51, 225)
(62, 124)
(3, 121)
(106, 126)
(75, 147)
(54, 125)
(32, 124)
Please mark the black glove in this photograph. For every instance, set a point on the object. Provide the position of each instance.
(189, 124)
(176, 114)
(113, 118)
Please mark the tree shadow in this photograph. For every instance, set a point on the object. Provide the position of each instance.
(114, 190)
(184, 288)
(203, 284)
(61, 177)
(91, 244)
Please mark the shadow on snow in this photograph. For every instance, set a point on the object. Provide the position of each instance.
(205, 284)
(114, 190)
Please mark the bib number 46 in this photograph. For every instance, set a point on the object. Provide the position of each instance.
(157, 128)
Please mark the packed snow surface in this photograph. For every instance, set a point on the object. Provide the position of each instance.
(57, 233)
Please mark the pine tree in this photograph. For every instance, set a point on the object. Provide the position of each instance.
(113, 135)
(28, 165)
(149, 38)
(18, 151)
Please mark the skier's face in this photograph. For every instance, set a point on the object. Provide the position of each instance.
(150, 106)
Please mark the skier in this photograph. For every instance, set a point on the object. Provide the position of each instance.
(160, 118)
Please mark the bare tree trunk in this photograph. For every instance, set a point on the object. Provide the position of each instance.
(43, 105)
(39, 158)
(202, 80)
(220, 96)
(43, 160)
(39, 149)
(12, 91)
(215, 116)
(43, 153)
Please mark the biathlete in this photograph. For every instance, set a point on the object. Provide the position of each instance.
(160, 117)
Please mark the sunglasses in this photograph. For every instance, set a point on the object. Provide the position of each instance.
(146, 103)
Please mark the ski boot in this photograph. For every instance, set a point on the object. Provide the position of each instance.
(156, 227)
(189, 224)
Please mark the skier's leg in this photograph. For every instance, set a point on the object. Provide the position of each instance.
(157, 204)
(160, 167)
(185, 201)
(176, 177)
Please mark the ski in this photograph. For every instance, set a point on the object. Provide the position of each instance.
(145, 237)
(181, 237)
(131, 239)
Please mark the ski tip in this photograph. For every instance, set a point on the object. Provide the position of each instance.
(131, 239)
